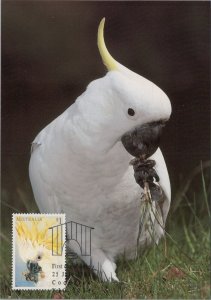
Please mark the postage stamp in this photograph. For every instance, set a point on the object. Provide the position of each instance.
(39, 246)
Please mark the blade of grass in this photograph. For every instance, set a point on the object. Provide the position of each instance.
(204, 190)
(188, 239)
(10, 206)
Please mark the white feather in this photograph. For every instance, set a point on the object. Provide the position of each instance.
(81, 167)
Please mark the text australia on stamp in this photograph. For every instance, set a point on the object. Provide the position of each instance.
(38, 251)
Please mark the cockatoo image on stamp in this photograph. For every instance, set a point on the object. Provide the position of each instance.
(38, 251)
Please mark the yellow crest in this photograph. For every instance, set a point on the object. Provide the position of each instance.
(108, 60)
(39, 233)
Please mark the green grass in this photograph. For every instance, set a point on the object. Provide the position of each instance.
(179, 267)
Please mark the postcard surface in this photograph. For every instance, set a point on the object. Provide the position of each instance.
(105, 155)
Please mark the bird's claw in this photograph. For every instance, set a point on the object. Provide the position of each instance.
(144, 172)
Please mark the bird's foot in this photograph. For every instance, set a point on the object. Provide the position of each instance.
(144, 172)
(103, 267)
(108, 271)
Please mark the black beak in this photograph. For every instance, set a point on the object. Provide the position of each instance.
(143, 140)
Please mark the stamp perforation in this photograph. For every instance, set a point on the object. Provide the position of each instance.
(34, 267)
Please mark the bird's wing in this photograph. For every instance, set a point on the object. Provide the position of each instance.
(43, 192)
(164, 182)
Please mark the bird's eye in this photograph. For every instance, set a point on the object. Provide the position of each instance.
(39, 257)
(131, 112)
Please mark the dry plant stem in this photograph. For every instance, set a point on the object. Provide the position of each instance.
(147, 199)
(147, 193)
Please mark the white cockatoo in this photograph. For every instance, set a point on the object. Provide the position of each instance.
(80, 166)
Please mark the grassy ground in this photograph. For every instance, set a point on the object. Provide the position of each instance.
(177, 268)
